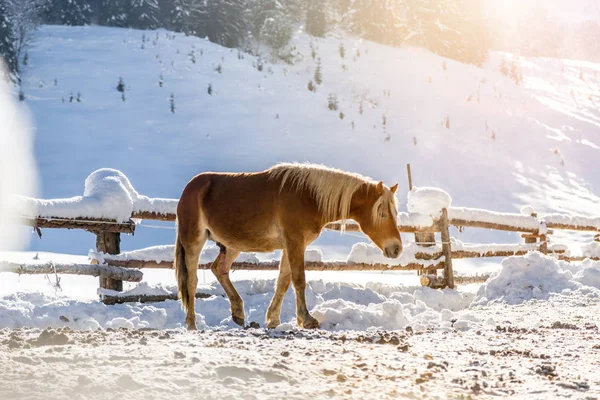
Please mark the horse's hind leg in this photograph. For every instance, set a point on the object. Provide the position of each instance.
(220, 267)
(283, 283)
(187, 253)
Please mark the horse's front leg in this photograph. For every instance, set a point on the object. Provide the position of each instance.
(281, 287)
(295, 251)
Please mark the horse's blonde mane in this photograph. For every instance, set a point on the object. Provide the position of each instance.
(332, 188)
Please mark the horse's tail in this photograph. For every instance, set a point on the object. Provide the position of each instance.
(181, 272)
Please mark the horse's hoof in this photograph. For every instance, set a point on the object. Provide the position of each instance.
(191, 327)
(310, 323)
(272, 324)
(238, 320)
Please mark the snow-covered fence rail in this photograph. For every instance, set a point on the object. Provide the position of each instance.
(100, 270)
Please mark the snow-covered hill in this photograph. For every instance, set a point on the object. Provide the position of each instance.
(471, 131)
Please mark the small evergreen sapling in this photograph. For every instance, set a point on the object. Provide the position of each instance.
(318, 73)
(332, 102)
(121, 85)
(210, 89)
(172, 102)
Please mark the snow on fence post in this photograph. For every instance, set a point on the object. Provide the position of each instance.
(447, 250)
(110, 243)
(425, 239)
(531, 238)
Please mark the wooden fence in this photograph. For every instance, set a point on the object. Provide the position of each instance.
(431, 256)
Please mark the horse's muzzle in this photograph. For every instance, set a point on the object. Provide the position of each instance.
(393, 251)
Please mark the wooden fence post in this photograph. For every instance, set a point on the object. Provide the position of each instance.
(447, 250)
(109, 243)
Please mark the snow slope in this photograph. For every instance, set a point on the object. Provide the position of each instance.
(470, 131)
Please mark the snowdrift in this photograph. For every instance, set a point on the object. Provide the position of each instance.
(337, 305)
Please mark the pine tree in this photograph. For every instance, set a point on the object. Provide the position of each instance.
(115, 13)
(7, 49)
(144, 14)
(67, 12)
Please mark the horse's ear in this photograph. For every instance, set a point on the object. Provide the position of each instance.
(394, 188)
(380, 188)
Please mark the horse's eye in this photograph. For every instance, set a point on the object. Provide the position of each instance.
(384, 215)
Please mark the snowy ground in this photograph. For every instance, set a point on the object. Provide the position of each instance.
(530, 351)
(530, 331)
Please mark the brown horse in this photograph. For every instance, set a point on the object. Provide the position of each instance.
(284, 207)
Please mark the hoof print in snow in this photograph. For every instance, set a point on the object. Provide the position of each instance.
(546, 370)
(253, 325)
(49, 337)
(403, 347)
(563, 325)
(179, 355)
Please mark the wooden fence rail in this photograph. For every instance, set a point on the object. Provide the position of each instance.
(535, 230)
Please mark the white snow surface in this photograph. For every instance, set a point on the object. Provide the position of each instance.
(540, 277)
(480, 215)
(591, 250)
(209, 254)
(368, 253)
(527, 210)
(577, 220)
(483, 248)
(415, 219)
(428, 200)
(338, 305)
(107, 194)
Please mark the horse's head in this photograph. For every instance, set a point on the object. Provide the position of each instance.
(376, 212)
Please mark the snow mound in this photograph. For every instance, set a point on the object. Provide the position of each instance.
(589, 274)
(527, 210)
(108, 194)
(336, 305)
(340, 314)
(428, 201)
(313, 255)
(534, 276)
(591, 249)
